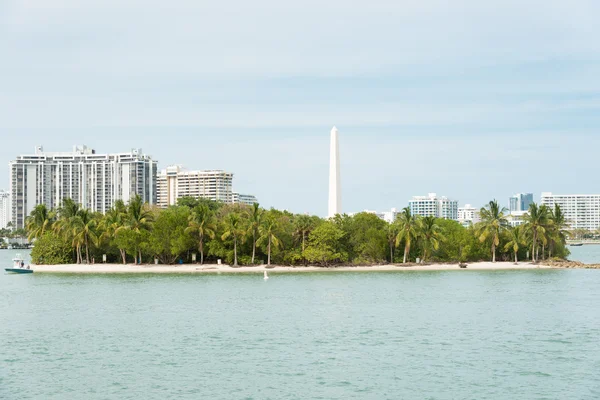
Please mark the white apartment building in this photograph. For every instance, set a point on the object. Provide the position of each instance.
(5, 216)
(432, 205)
(175, 182)
(246, 199)
(95, 181)
(516, 218)
(582, 211)
(468, 215)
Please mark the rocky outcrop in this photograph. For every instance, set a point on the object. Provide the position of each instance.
(569, 264)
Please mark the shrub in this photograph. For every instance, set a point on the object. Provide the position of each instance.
(51, 249)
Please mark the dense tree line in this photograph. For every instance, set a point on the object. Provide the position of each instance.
(244, 235)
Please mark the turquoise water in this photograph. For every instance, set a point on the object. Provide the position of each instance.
(589, 254)
(415, 335)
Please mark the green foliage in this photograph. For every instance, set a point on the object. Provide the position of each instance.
(51, 249)
(325, 245)
(239, 234)
(168, 239)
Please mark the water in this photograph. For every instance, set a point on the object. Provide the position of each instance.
(589, 254)
(416, 335)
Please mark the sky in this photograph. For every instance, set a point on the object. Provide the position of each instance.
(468, 99)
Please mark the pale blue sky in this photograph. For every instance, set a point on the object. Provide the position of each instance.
(469, 99)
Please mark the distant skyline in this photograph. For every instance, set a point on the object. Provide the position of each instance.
(471, 100)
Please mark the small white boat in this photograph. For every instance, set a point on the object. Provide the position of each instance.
(19, 266)
(266, 276)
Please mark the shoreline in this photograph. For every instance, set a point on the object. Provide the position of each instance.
(210, 269)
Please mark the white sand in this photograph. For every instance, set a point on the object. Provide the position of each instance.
(217, 269)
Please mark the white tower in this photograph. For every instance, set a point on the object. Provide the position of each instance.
(335, 195)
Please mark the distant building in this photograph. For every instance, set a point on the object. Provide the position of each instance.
(516, 218)
(520, 202)
(468, 215)
(388, 216)
(175, 182)
(5, 216)
(582, 211)
(95, 181)
(432, 205)
(247, 199)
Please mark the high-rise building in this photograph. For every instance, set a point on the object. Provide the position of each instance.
(431, 205)
(582, 211)
(5, 217)
(247, 199)
(175, 182)
(468, 215)
(95, 181)
(520, 202)
(335, 195)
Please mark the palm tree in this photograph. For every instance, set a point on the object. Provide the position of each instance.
(267, 233)
(536, 221)
(254, 216)
(39, 222)
(492, 223)
(65, 223)
(85, 232)
(391, 232)
(558, 227)
(112, 222)
(138, 220)
(516, 238)
(430, 233)
(407, 224)
(233, 229)
(201, 226)
(303, 225)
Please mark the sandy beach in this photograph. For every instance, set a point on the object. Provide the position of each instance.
(226, 269)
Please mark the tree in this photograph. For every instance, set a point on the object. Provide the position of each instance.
(200, 225)
(267, 231)
(84, 232)
(391, 233)
(430, 233)
(235, 231)
(492, 223)
(515, 239)
(303, 225)
(558, 228)
(324, 244)
(65, 224)
(39, 222)
(536, 220)
(168, 238)
(51, 249)
(254, 217)
(111, 224)
(407, 230)
(138, 220)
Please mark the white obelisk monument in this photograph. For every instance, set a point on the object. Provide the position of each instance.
(335, 194)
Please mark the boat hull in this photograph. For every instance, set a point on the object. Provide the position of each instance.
(19, 270)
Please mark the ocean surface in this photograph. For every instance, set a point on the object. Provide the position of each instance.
(589, 254)
(413, 335)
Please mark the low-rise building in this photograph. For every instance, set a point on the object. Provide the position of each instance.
(516, 218)
(432, 205)
(468, 215)
(388, 216)
(246, 199)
